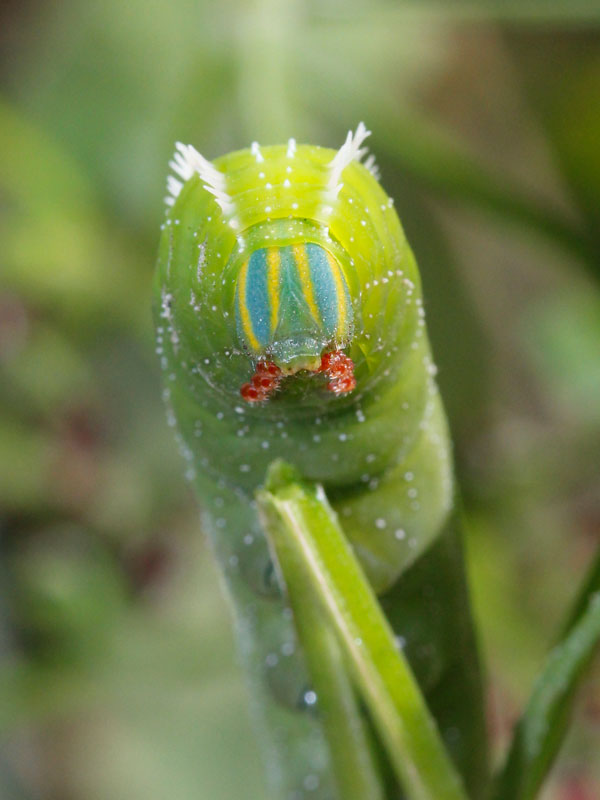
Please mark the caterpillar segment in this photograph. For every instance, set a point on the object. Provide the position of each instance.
(290, 324)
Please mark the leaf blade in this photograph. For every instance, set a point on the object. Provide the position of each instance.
(540, 731)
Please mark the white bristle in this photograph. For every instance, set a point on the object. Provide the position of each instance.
(350, 151)
(186, 162)
(255, 150)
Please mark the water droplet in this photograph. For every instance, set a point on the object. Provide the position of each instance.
(310, 697)
(311, 782)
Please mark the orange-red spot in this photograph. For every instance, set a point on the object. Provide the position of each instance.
(263, 383)
(338, 366)
(325, 362)
(342, 385)
(341, 371)
(268, 368)
(250, 393)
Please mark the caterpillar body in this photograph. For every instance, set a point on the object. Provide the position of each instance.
(290, 324)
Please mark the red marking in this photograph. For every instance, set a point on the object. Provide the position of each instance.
(264, 382)
(266, 379)
(268, 368)
(342, 385)
(341, 371)
(250, 393)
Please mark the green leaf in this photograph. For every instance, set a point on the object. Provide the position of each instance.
(303, 529)
(541, 729)
(589, 588)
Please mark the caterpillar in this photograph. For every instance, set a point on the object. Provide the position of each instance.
(290, 324)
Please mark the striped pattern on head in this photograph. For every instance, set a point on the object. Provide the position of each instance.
(292, 303)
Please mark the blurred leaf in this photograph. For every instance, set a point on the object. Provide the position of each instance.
(158, 709)
(522, 11)
(69, 594)
(59, 254)
(46, 373)
(541, 729)
(27, 456)
(590, 587)
(562, 339)
(569, 118)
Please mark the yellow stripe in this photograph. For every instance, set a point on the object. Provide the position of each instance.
(246, 321)
(273, 270)
(341, 295)
(301, 258)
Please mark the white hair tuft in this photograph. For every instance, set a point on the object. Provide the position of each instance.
(350, 151)
(186, 162)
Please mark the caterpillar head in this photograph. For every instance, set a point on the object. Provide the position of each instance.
(293, 309)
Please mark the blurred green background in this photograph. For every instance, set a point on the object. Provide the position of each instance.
(118, 678)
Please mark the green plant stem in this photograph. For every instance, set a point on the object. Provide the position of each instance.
(345, 729)
(589, 587)
(301, 524)
(541, 729)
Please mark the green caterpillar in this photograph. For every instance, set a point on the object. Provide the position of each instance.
(290, 325)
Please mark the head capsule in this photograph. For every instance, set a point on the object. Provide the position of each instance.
(293, 307)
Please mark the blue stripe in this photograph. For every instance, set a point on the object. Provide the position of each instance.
(257, 296)
(324, 288)
(291, 288)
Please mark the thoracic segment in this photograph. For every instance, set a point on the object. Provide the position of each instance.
(187, 161)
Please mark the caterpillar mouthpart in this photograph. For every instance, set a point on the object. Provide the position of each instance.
(297, 353)
(265, 381)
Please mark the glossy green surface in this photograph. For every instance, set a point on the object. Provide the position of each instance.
(382, 451)
(379, 450)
